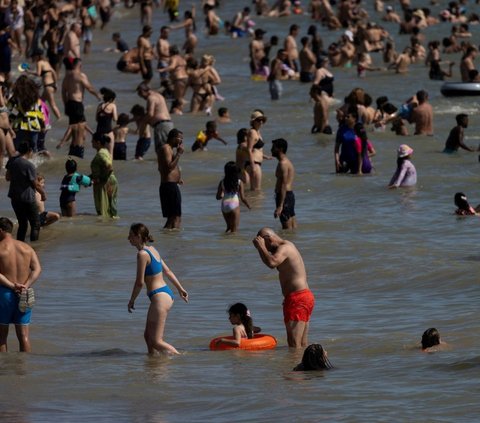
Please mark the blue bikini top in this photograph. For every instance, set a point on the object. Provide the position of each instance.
(155, 266)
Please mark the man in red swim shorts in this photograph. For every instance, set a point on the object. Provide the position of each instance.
(298, 305)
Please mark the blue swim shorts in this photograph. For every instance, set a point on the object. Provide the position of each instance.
(9, 312)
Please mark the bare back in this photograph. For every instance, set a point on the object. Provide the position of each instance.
(17, 259)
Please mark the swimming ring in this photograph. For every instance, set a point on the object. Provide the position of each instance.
(258, 342)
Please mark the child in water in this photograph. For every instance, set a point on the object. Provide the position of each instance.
(230, 191)
(463, 206)
(71, 183)
(242, 322)
(204, 136)
(46, 217)
(120, 133)
(314, 358)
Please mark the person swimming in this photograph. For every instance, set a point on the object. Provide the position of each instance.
(314, 358)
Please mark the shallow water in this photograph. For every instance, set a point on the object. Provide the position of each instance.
(384, 266)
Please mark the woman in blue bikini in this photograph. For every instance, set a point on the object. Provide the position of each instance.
(150, 270)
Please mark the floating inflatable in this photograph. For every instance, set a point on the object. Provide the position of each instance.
(260, 341)
(457, 89)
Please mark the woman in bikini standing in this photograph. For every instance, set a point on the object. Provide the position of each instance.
(255, 150)
(150, 271)
(49, 80)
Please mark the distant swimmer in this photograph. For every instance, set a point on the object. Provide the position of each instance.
(314, 358)
(280, 254)
(463, 206)
(431, 341)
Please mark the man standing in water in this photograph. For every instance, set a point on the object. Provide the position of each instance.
(74, 85)
(170, 178)
(280, 254)
(157, 114)
(19, 269)
(284, 197)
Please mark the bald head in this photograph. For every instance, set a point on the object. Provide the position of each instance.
(267, 232)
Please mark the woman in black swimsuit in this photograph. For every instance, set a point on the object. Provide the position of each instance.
(255, 150)
(106, 115)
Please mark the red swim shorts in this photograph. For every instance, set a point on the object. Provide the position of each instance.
(298, 306)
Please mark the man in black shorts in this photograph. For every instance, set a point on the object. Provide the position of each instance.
(170, 178)
(284, 197)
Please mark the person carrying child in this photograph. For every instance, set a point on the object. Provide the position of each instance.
(46, 217)
(71, 184)
(230, 191)
(203, 137)
(240, 318)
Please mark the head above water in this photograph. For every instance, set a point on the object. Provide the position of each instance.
(70, 166)
(315, 358)
(430, 338)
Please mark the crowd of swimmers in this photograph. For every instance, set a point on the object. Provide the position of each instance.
(25, 116)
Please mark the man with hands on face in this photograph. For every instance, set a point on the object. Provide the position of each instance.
(170, 178)
(280, 254)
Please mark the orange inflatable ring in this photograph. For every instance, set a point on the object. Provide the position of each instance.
(260, 341)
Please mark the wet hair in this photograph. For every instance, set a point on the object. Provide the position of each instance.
(241, 135)
(430, 338)
(230, 180)
(460, 117)
(173, 50)
(211, 126)
(304, 41)
(281, 144)
(312, 30)
(24, 148)
(381, 101)
(241, 310)
(116, 35)
(70, 166)
(107, 94)
(6, 225)
(137, 110)
(422, 95)
(222, 111)
(389, 108)
(368, 100)
(352, 110)
(460, 200)
(314, 358)
(141, 230)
